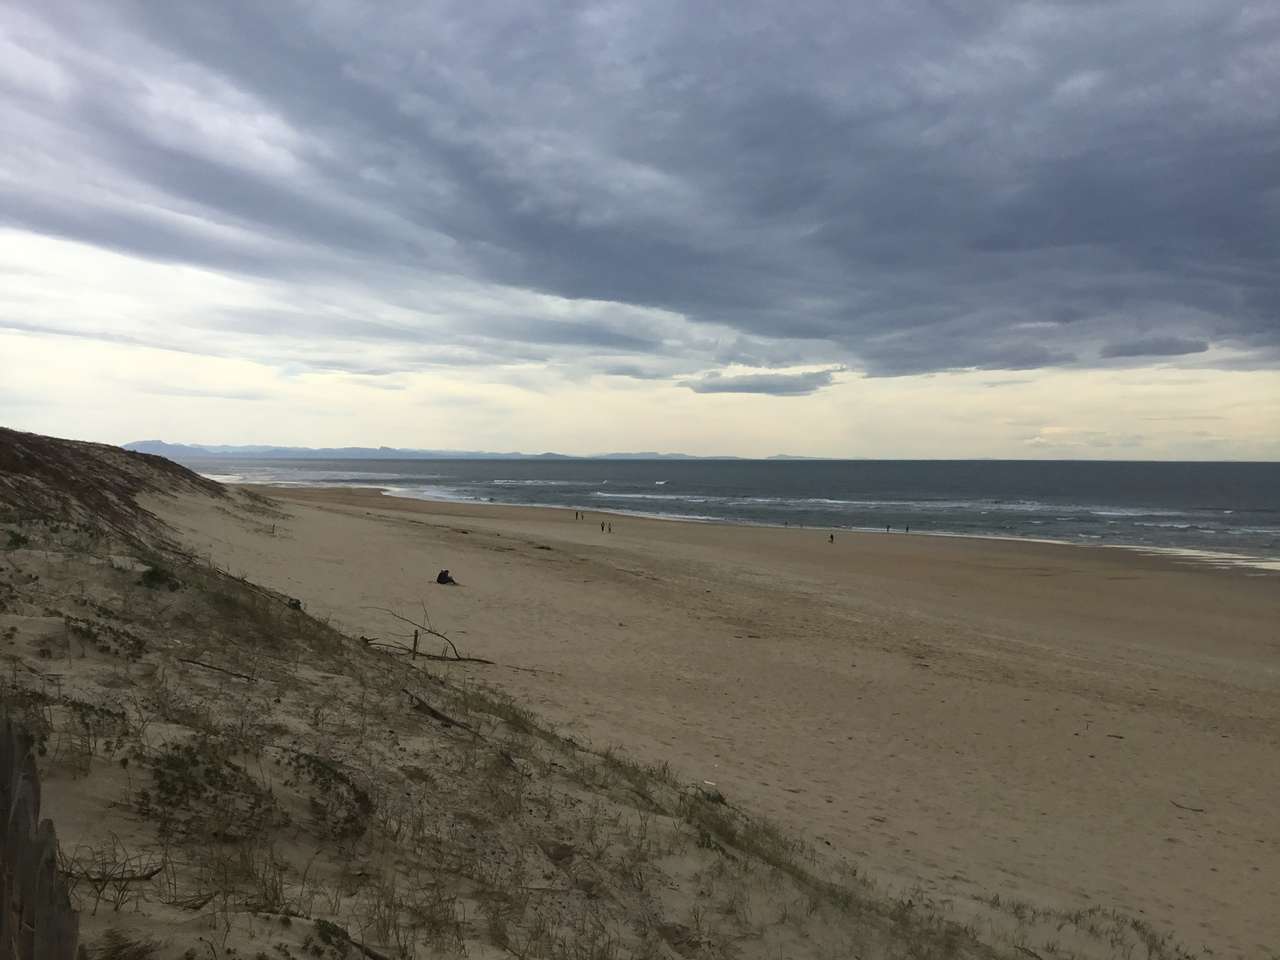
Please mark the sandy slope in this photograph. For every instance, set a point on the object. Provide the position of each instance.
(1071, 726)
(231, 777)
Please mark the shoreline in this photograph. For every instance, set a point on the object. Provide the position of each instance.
(1251, 564)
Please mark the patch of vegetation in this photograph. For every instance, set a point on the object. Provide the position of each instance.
(197, 790)
(159, 578)
(339, 807)
(107, 638)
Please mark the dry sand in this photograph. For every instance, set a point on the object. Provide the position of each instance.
(1070, 726)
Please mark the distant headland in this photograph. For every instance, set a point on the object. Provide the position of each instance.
(181, 451)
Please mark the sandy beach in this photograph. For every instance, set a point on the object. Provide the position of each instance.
(1069, 726)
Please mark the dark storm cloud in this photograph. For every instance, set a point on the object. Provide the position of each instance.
(775, 384)
(899, 187)
(632, 371)
(124, 231)
(563, 333)
(469, 341)
(1154, 347)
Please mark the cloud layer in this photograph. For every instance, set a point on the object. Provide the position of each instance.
(774, 384)
(656, 206)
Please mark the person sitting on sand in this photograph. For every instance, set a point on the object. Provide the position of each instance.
(444, 577)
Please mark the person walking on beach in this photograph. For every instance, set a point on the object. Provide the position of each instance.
(611, 528)
(602, 526)
(831, 538)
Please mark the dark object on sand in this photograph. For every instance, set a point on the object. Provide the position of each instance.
(444, 577)
(295, 604)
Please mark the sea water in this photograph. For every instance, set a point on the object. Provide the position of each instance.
(1222, 508)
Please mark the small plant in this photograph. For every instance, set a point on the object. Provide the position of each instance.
(156, 577)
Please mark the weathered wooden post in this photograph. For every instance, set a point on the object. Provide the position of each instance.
(36, 919)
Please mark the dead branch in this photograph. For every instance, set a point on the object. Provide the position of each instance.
(442, 659)
(210, 666)
(1188, 809)
(425, 627)
(116, 877)
(435, 714)
(402, 649)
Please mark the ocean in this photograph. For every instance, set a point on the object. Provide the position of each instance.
(1230, 509)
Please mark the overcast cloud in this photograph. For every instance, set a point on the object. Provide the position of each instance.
(750, 197)
(776, 384)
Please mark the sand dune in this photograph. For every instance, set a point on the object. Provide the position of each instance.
(229, 776)
(1064, 725)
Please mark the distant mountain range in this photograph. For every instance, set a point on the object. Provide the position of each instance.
(189, 451)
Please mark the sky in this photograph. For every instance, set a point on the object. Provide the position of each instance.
(883, 229)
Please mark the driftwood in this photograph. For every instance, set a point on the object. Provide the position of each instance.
(443, 659)
(117, 877)
(210, 666)
(438, 658)
(425, 627)
(1188, 809)
(435, 714)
